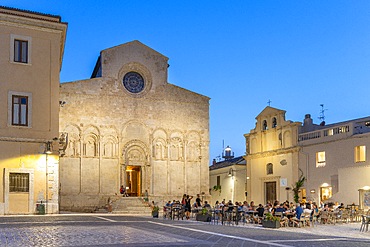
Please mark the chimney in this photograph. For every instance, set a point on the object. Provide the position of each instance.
(307, 120)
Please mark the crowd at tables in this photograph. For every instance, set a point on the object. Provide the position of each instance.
(287, 213)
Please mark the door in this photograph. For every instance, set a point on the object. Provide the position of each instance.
(270, 191)
(133, 180)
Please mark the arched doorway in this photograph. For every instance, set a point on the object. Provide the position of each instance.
(134, 172)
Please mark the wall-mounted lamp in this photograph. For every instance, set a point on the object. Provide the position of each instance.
(231, 172)
(62, 103)
(312, 191)
(48, 148)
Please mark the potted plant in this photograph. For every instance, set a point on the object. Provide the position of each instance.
(298, 185)
(203, 215)
(271, 221)
(217, 188)
(155, 211)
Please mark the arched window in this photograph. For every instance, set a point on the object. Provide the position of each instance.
(264, 125)
(269, 168)
(274, 122)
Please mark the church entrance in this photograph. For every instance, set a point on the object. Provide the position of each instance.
(133, 180)
(270, 191)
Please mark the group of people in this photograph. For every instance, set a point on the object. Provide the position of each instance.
(187, 205)
(291, 212)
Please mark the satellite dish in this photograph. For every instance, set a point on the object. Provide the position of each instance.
(283, 162)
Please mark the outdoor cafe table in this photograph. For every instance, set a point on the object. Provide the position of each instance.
(251, 212)
(289, 214)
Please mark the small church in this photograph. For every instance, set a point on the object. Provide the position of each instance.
(128, 126)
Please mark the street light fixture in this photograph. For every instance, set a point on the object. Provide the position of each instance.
(48, 148)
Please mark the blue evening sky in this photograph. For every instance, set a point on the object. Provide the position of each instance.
(240, 53)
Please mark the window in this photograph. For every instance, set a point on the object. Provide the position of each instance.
(20, 51)
(274, 122)
(264, 125)
(325, 193)
(19, 182)
(360, 154)
(320, 159)
(269, 169)
(19, 110)
(218, 181)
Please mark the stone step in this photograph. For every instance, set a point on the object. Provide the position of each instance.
(130, 205)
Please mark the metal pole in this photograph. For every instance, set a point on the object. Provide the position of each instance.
(46, 185)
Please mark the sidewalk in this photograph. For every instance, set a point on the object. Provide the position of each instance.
(349, 230)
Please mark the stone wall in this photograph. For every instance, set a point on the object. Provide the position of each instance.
(164, 130)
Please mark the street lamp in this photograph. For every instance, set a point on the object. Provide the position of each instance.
(47, 152)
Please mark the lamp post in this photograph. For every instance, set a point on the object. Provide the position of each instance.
(48, 151)
(231, 174)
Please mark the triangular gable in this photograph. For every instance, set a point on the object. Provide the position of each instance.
(134, 43)
(269, 111)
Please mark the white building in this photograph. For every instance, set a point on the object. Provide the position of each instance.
(227, 180)
(335, 161)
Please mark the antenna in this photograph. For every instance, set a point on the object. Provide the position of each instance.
(322, 113)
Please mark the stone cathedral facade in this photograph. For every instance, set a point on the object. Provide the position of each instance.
(127, 125)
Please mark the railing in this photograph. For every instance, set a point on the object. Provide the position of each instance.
(324, 133)
(309, 136)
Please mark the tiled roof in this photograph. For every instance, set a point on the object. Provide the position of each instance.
(225, 163)
(30, 14)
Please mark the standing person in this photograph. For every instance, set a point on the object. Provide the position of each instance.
(188, 206)
(198, 201)
(146, 195)
(183, 201)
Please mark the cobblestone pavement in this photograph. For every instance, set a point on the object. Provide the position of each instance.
(115, 230)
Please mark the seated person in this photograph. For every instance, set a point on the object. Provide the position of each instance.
(280, 209)
(206, 205)
(260, 212)
(298, 212)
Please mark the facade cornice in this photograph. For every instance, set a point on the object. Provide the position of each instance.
(272, 153)
(270, 178)
(17, 139)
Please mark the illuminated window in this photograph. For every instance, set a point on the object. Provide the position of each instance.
(19, 182)
(360, 154)
(320, 159)
(325, 193)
